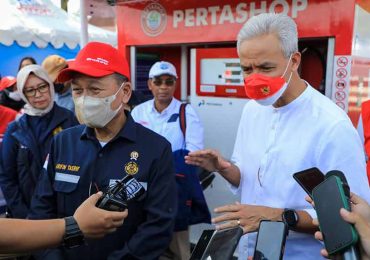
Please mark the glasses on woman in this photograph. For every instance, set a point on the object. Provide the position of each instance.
(31, 92)
(168, 82)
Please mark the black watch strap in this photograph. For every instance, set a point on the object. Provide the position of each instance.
(290, 218)
(73, 236)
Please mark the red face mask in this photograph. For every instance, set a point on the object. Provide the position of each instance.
(264, 89)
(258, 86)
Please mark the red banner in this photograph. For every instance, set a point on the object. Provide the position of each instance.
(194, 21)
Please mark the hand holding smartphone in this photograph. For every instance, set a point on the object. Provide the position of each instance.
(271, 239)
(329, 197)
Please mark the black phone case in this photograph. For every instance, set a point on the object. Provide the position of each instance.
(329, 197)
(274, 238)
(219, 245)
(316, 178)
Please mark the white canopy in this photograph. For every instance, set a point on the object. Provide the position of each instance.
(41, 22)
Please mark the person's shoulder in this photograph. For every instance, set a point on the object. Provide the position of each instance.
(143, 105)
(326, 109)
(73, 132)
(140, 110)
(12, 127)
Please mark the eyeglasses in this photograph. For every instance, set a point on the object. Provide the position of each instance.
(167, 82)
(31, 92)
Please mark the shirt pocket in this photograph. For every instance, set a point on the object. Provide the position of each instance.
(64, 185)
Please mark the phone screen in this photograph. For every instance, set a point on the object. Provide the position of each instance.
(224, 243)
(329, 198)
(309, 179)
(270, 240)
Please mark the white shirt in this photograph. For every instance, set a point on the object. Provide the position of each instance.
(311, 131)
(167, 124)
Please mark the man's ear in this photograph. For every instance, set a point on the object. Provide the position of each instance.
(296, 60)
(150, 84)
(127, 91)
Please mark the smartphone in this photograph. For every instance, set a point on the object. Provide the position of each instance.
(202, 244)
(309, 179)
(217, 244)
(271, 239)
(329, 198)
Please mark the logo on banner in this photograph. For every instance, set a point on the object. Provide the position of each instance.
(153, 19)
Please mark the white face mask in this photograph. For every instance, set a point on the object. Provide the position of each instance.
(95, 112)
(15, 96)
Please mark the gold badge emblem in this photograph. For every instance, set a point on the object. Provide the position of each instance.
(134, 155)
(57, 130)
(131, 168)
(265, 90)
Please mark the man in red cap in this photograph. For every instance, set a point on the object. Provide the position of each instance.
(108, 146)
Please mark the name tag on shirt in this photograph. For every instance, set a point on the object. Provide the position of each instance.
(66, 177)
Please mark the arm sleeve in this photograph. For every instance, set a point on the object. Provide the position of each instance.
(194, 131)
(43, 204)
(342, 150)
(9, 177)
(160, 206)
(237, 155)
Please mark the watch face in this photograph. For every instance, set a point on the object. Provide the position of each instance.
(290, 218)
(74, 241)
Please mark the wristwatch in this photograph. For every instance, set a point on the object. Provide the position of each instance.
(290, 218)
(73, 236)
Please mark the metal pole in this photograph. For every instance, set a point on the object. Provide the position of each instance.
(133, 66)
(84, 37)
(184, 73)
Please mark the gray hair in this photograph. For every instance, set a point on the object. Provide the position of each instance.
(280, 24)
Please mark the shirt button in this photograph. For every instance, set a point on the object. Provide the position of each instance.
(273, 127)
(100, 155)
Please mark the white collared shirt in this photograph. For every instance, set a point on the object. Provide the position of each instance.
(167, 124)
(274, 143)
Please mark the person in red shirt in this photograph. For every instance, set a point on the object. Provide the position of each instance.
(7, 115)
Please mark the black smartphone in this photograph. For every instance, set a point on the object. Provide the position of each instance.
(217, 244)
(309, 179)
(329, 198)
(202, 244)
(271, 239)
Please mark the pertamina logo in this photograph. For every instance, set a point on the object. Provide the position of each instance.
(153, 19)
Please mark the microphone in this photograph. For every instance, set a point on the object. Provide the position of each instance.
(117, 196)
(352, 252)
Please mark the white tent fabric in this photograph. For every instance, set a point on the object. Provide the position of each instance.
(41, 22)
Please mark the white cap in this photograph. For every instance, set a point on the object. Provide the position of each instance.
(162, 68)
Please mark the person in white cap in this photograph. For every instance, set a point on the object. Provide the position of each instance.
(161, 114)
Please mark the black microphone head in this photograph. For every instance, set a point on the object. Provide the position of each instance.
(342, 177)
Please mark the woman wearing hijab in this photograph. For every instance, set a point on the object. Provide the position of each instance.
(27, 140)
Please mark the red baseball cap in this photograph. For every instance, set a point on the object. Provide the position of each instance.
(7, 82)
(96, 59)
